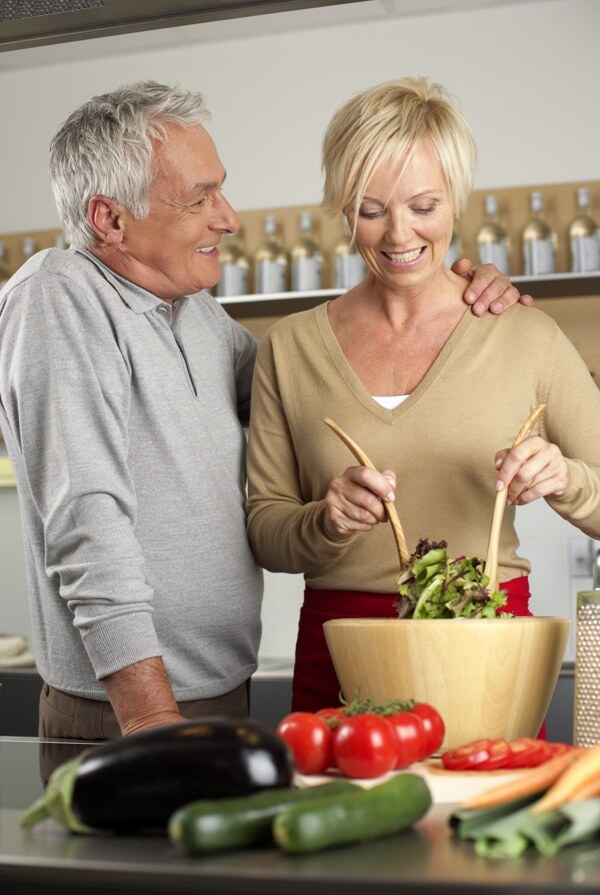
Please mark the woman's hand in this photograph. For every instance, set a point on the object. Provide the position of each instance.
(354, 501)
(532, 469)
(490, 290)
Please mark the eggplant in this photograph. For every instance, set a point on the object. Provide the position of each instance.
(138, 781)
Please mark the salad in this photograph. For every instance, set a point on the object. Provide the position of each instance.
(435, 586)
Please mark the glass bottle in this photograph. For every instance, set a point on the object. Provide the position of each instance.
(539, 241)
(234, 266)
(493, 243)
(349, 265)
(270, 261)
(307, 258)
(455, 249)
(584, 236)
(28, 247)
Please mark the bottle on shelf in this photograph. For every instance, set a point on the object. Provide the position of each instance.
(455, 250)
(307, 258)
(349, 265)
(584, 236)
(4, 275)
(28, 247)
(539, 241)
(270, 261)
(234, 266)
(493, 244)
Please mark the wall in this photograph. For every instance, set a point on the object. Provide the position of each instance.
(526, 76)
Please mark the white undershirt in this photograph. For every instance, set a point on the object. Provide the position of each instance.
(390, 401)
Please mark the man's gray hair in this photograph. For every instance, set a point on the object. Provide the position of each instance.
(105, 148)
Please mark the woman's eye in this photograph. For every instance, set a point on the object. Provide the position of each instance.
(426, 210)
(370, 215)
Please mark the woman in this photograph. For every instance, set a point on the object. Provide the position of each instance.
(430, 392)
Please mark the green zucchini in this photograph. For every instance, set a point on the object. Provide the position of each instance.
(368, 814)
(209, 826)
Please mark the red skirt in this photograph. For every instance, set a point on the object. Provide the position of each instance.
(315, 684)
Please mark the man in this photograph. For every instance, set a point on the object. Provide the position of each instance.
(123, 395)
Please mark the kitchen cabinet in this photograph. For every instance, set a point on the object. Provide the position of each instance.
(426, 859)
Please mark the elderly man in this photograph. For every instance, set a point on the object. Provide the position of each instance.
(123, 394)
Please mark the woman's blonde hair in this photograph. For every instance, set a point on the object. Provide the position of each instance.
(385, 123)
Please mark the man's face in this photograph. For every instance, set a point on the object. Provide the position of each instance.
(173, 251)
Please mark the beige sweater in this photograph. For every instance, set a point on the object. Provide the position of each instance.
(441, 443)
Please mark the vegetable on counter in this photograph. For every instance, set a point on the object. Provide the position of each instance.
(383, 810)
(139, 781)
(553, 805)
(363, 739)
(434, 586)
(207, 827)
(494, 754)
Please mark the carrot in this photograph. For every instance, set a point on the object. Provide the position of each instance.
(577, 782)
(536, 780)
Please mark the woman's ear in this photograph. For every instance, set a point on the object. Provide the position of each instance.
(105, 219)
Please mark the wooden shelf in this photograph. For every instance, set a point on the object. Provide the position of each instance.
(559, 285)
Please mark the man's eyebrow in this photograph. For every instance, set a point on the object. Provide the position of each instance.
(207, 186)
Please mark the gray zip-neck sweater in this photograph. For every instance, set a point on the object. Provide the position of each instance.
(123, 420)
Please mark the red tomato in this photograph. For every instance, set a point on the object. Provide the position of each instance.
(559, 748)
(435, 729)
(331, 716)
(310, 740)
(365, 746)
(411, 736)
(468, 757)
(525, 752)
(498, 756)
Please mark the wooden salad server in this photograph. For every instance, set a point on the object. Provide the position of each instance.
(403, 552)
(491, 563)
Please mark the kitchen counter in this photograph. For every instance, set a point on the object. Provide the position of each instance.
(426, 860)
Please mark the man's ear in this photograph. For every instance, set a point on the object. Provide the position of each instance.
(106, 220)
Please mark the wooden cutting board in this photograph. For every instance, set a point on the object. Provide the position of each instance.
(446, 787)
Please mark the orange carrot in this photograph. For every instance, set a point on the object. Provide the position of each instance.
(535, 780)
(581, 778)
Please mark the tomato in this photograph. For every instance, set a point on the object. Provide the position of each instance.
(331, 716)
(411, 736)
(365, 746)
(310, 741)
(498, 756)
(435, 729)
(468, 757)
(525, 752)
(559, 748)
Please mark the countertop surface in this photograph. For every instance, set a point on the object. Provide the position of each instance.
(425, 860)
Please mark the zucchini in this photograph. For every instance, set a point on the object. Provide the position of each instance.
(368, 814)
(140, 780)
(206, 827)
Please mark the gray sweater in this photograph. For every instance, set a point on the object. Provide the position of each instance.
(123, 419)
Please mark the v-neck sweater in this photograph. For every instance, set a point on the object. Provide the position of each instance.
(441, 442)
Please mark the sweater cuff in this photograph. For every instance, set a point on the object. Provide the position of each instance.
(120, 641)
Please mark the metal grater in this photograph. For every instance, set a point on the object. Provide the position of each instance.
(586, 721)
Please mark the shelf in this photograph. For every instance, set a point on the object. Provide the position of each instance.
(559, 285)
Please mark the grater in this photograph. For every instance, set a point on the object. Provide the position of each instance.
(586, 721)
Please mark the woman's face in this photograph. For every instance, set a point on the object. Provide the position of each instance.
(405, 219)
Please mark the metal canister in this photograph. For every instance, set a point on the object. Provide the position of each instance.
(586, 721)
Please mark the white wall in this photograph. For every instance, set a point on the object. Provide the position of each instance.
(526, 75)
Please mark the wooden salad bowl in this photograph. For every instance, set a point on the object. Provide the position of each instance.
(486, 677)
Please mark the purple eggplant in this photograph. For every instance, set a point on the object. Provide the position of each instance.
(139, 781)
